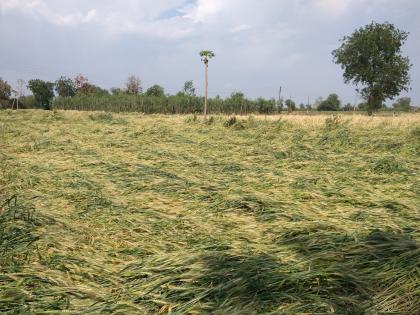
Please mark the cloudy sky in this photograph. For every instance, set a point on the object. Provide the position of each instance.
(259, 44)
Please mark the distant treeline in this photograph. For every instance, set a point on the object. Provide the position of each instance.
(79, 94)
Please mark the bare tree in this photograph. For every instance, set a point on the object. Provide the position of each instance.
(133, 85)
(19, 92)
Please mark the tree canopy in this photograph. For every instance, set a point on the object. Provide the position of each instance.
(206, 55)
(332, 103)
(65, 87)
(43, 92)
(155, 90)
(189, 88)
(371, 59)
(5, 90)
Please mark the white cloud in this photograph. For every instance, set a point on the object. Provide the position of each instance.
(334, 7)
(40, 10)
(240, 28)
(205, 10)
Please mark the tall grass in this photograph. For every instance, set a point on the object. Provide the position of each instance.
(147, 214)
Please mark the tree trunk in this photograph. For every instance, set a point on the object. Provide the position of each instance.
(206, 93)
(370, 106)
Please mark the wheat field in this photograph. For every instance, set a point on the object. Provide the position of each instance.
(150, 214)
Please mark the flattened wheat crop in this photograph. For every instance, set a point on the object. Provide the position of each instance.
(106, 213)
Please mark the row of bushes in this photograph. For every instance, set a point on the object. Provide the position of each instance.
(25, 102)
(174, 104)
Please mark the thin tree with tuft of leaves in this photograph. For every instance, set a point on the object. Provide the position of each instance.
(206, 55)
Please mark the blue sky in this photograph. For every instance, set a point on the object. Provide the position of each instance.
(259, 44)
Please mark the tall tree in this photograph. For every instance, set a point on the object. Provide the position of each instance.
(5, 90)
(133, 85)
(65, 87)
(206, 55)
(371, 59)
(43, 92)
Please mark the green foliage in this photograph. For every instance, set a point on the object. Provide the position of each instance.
(265, 106)
(290, 104)
(5, 90)
(332, 103)
(28, 101)
(98, 91)
(117, 91)
(156, 91)
(402, 104)
(348, 107)
(43, 92)
(206, 55)
(65, 87)
(174, 104)
(371, 57)
(362, 106)
(189, 88)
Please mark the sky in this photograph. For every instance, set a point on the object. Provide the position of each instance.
(259, 45)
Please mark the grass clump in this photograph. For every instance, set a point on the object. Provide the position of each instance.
(235, 123)
(101, 117)
(387, 165)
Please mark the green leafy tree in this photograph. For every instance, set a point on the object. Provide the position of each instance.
(43, 92)
(155, 90)
(291, 106)
(206, 55)
(332, 103)
(371, 59)
(65, 87)
(5, 90)
(402, 104)
(189, 88)
(265, 106)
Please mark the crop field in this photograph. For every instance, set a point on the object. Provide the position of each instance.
(152, 214)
